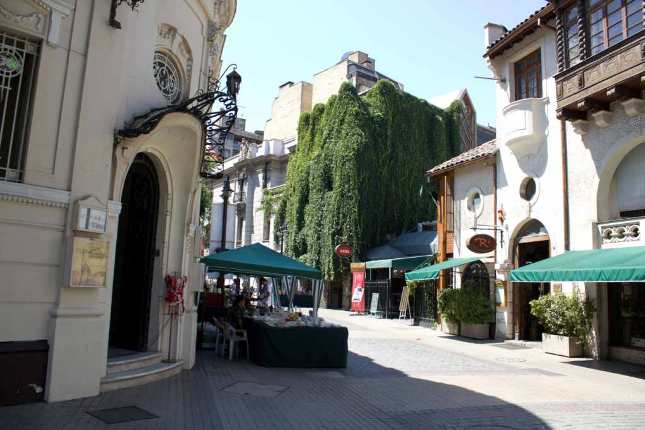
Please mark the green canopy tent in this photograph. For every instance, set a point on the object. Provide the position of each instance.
(259, 260)
(431, 272)
(596, 265)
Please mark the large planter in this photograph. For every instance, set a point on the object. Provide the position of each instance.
(561, 345)
(475, 331)
(449, 327)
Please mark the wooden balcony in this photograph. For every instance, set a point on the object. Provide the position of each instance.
(589, 87)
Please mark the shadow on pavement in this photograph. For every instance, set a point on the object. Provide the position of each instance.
(364, 395)
(620, 368)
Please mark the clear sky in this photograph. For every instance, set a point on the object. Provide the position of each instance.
(431, 46)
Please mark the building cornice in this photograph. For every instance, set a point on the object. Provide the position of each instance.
(33, 195)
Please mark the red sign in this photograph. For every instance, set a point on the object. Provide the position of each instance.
(481, 243)
(358, 292)
(344, 250)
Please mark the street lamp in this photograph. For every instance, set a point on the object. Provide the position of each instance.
(284, 229)
(226, 192)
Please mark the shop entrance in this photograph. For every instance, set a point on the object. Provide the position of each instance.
(532, 245)
(135, 252)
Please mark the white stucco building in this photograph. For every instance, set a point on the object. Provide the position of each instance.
(566, 170)
(96, 207)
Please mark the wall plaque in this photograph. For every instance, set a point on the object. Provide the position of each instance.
(89, 262)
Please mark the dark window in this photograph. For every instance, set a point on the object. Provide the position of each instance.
(611, 21)
(266, 231)
(528, 187)
(528, 77)
(475, 277)
(18, 62)
(571, 36)
(626, 316)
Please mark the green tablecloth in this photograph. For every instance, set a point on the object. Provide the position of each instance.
(296, 346)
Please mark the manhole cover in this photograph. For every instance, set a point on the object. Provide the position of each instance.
(122, 415)
(511, 359)
(258, 390)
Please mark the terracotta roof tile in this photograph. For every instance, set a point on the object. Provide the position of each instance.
(479, 152)
(517, 31)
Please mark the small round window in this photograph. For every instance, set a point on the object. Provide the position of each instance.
(168, 77)
(528, 188)
(474, 202)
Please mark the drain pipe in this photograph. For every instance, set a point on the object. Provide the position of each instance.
(565, 182)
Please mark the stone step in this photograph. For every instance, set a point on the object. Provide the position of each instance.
(140, 376)
(133, 361)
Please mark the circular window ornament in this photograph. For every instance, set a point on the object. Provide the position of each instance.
(11, 63)
(475, 202)
(528, 189)
(168, 77)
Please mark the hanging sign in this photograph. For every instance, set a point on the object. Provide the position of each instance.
(344, 250)
(481, 243)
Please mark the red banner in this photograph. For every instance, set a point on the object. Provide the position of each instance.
(358, 292)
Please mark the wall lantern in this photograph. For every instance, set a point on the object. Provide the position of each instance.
(133, 4)
(233, 81)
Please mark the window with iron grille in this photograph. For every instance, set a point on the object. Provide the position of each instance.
(18, 65)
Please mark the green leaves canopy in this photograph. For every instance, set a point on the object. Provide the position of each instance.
(358, 172)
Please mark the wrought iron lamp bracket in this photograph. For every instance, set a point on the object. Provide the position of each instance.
(216, 123)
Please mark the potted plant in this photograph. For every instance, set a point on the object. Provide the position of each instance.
(447, 304)
(475, 313)
(566, 321)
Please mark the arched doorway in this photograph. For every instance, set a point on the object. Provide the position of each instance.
(134, 262)
(532, 244)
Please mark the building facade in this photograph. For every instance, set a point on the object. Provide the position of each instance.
(567, 163)
(260, 169)
(99, 187)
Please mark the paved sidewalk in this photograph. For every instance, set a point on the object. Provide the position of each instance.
(398, 377)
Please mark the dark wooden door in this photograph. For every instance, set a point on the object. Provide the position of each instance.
(135, 253)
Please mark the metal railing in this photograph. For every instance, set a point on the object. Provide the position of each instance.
(625, 232)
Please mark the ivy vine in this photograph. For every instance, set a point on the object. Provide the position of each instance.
(358, 172)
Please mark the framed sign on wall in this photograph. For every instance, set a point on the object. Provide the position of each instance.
(89, 262)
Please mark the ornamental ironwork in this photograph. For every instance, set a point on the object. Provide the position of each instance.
(133, 4)
(168, 77)
(215, 108)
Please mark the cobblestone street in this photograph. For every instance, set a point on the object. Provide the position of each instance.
(398, 377)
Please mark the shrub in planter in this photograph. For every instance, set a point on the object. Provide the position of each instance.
(468, 308)
(565, 316)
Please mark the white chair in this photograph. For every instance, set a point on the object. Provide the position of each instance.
(234, 337)
(220, 334)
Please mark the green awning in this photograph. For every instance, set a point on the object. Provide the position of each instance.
(432, 272)
(596, 265)
(405, 263)
(259, 260)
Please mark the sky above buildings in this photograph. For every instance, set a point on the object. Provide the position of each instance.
(431, 46)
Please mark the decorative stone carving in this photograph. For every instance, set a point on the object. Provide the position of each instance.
(34, 21)
(602, 118)
(620, 232)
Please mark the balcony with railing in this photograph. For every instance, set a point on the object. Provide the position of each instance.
(620, 233)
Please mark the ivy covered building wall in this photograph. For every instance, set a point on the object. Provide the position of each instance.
(357, 174)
